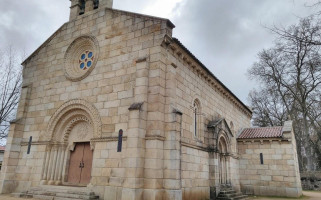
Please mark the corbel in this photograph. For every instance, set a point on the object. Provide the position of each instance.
(92, 145)
(136, 106)
(142, 59)
(174, 65)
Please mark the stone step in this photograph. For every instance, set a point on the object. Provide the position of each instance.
(60, 188)
(234, 198)
(44, 197)
(65, 195)
(22, 195)
(229, 194)
(60, 193)
(52, 192)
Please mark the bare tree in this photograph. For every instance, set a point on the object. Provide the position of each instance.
(10, 87)
(268, 108)
(292, 69)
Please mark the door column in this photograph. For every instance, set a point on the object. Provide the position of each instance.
(53, 165)
(44, 180)
(60, 161)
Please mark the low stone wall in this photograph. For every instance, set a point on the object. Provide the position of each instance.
(311, 180)
(276, 176)
(269, 167)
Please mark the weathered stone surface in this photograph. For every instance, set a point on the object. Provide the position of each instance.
(145, 82)
(279, 173)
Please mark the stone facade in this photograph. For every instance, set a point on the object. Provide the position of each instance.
(278, 174)
(109, 70)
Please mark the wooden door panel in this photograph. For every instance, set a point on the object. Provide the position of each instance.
(87, 160)
(74, 171)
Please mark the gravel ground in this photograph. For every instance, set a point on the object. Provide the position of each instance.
(307, 195)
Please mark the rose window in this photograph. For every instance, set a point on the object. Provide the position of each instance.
(81, 58)
(86, 60)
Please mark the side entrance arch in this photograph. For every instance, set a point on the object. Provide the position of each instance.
(224, 162)
(220, 142)
(69, 154)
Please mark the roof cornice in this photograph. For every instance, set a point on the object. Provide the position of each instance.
(181, 52)
(168, 22)
(43, 45)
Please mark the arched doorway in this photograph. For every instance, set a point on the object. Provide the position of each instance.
(224, 162)
(69, 154)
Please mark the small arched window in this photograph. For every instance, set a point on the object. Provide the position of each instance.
(196, 117)
(82, 5)
(96, 4)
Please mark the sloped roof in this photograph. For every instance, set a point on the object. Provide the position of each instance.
(210, 73)
(262, 132)
(43, 45)
(221, 124)
(169, 23)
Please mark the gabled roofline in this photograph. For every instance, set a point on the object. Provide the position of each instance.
(169, 24)
(42, 45)
(169, 40)
(208, 71)
(214, 124)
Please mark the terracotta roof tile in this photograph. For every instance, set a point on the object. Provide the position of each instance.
(263, 132)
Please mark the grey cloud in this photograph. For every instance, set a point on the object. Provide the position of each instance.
(225, 35)
(32, 22)
(130, 5)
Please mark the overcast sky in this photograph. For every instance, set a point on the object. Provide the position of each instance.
(225, 35)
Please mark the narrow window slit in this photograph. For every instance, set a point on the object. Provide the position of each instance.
(82, 7)
(261, 158)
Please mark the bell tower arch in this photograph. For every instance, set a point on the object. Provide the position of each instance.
(79, 7)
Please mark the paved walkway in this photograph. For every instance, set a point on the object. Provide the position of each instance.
(307, 195)
(312, 195)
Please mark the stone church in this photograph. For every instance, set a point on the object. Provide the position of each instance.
(113, 107)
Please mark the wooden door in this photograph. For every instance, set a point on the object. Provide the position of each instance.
(74, 171)
(80, 164)
(87, 164)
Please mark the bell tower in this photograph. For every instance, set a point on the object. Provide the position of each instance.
(79, 7)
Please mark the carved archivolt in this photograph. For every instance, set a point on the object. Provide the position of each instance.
(68, 116)
(81, 57)
(221, 132)
(223, 142)
(81, 131)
